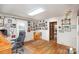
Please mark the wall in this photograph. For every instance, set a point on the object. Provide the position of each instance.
(78, 35)
(9, 26)
(24, 25)
(67, 38)
(19, 23)
(45, 33)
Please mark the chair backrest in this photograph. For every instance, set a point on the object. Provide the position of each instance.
(21, 36)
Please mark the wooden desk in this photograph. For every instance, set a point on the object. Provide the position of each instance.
(5, 49)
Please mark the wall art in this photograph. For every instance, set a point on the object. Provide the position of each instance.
(1, 22)
(13, 25)
(9, 20)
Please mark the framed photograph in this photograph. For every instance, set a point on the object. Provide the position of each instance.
(13, 25)
(45, 28)
(1, 22)
(67, 28)
(66, 21)
(9, 21)
(61, 30)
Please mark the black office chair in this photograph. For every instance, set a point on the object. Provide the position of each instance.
(18, 43)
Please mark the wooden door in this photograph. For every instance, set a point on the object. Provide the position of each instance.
(53, 31)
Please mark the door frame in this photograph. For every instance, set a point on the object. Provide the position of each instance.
(53, 28)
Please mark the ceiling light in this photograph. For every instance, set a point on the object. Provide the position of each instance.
(37, 11)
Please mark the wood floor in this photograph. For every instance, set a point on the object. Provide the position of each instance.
(45, 47)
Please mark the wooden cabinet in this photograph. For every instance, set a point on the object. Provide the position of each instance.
(37, 36)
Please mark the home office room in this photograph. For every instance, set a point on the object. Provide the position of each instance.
(39, 28)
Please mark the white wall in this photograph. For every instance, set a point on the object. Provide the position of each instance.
(8, 26)
(78, 35)
(19, 22)
(29, 35)
(45, 33)
(67, 38)
(23, 23)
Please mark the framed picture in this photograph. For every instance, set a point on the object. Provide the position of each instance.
(67, 28)
(9, 21)
(1, 22)
(13, 25)
(66, 21)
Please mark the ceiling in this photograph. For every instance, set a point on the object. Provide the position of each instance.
(51, 10)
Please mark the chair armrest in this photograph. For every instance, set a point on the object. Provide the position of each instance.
(13, 40)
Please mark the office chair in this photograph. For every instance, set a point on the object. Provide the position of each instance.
(18, 43)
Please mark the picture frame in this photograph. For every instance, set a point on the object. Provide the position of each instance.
(66, 21)
(13, 25)
(67, 28)
(1, 22)
(9, 20)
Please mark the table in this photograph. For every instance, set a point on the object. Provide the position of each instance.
(5, 49)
